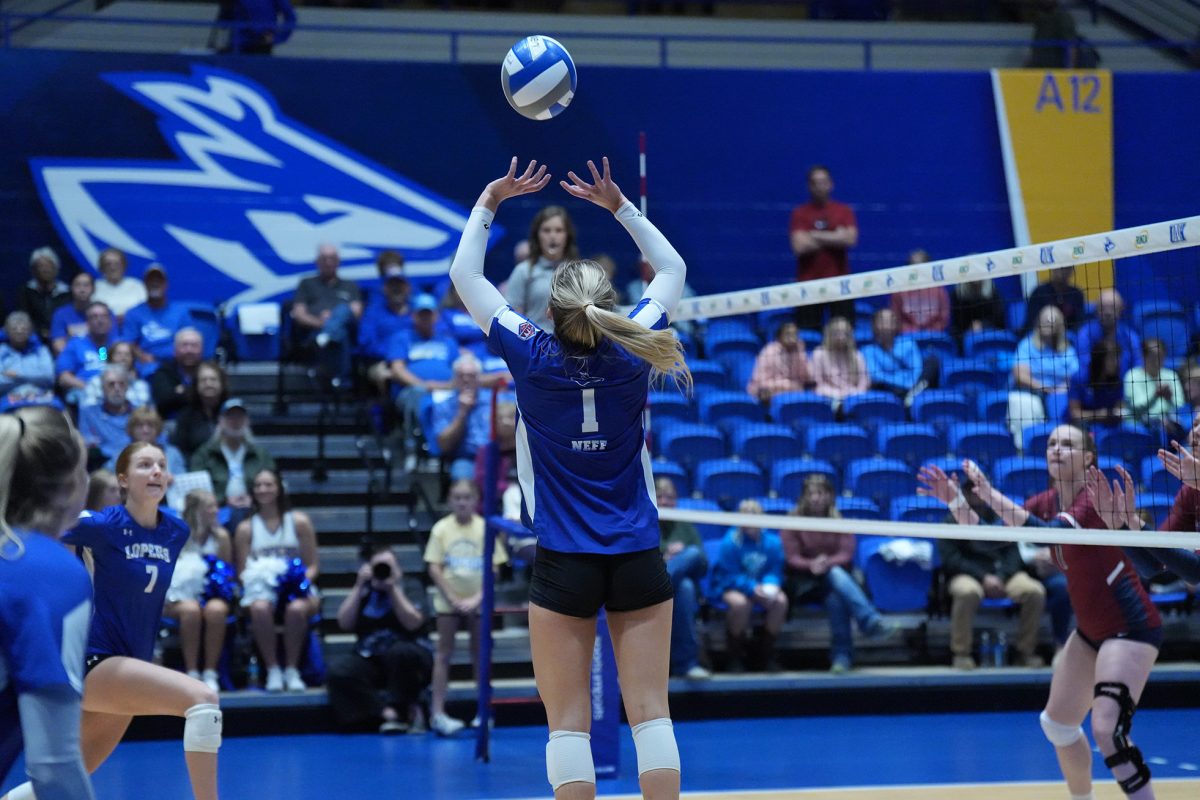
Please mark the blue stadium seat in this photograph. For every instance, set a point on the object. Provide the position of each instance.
(919, 509)
(871, 408)
(729, 481)
(765, 443)
(788, 475)
(776, 505)
(709, 533)
(1020, 476)
(941, 407)
(993, 406)
(206, 320)
(1171, 328)
(708, 374)
(731, 344)
(894, 587)
(689, 444)
(1034, 438)
(962, 372)
(425, 418)
(951, 465)
(768, 322)
(811, 339)
(1015, 316)
(1159, 505)
(913, 443)
(678, 475)
(863, 333)
(1129, 442)
(717, 408)
(858, 508)
(805, 408)
(1155, 477)
(935, 343)
(838, 443)
(982, 441)
(740, 370)
(672, 406)
(732, 326)
(263, 346)
(989, 346)
(864, 311)
(1144, 309)
(880, 479)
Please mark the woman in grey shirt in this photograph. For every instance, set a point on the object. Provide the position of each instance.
(551, 241)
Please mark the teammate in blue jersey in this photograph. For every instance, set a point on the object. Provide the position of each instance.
(134, 546)
(586, 485)
(45, 602)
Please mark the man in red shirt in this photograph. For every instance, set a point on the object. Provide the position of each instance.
(822, 231)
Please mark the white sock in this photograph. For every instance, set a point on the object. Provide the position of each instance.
(1088, 796)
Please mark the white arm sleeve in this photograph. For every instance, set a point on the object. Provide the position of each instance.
(669, 270)
(50, 727)
(479, 296)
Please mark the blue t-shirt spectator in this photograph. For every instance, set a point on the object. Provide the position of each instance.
(67, 323)
(744, 562)
(1095, 397)
(479, 428)
(1047, 366)
(105, 430)
(377, 327)
(153, 329)
(83, 358)
(898, 369)
(457, 323)
(29, 366)
(429, 358)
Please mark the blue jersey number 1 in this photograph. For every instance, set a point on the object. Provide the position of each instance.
(590, 424)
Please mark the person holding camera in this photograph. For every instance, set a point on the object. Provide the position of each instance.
(392, 663)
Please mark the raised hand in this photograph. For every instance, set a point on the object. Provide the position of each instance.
(936, 483)
(1126, 497)
(533, 179)
(1104, 498)
(1182, 464)
(603, 192)
(976, 476)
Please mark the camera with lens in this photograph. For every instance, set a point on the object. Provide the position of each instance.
(381, 570)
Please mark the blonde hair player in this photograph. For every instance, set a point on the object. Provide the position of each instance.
(586, 484)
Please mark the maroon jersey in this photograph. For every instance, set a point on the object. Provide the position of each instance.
(1106, 592)
(824, 262)
(1185, 511)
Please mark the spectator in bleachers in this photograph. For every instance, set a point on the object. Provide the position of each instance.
(43, 293)
(171, 384)
(1109, 325)
(818, 567)
(822, 232)
(976, 306)
(1053, 28)
(636, 288)
(925, 309)
(85, 356)
(508, 492)
(382, 319)
(70, 318)
(120, 354)
(232, 457)
(256, 26)
(462, 420)
(421, 360)
(104, 424)
(1096, 396)
(781, 366)
(151, 326)
(201, 620)
(115, 289)
(748, 574)
(894, 361)
(838, 369)
(1039, 562)
(1057, 292)
(26, 369)
(1154, 393)
(276, 531)
(1042, 370)
(145, 425)
(380, 682)
(103, 490)
(683, 551)
(454, 557)
(995, 570)
(551, 241)
(198, 420)
(326, 310)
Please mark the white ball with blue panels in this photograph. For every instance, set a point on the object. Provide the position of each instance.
(538, 77)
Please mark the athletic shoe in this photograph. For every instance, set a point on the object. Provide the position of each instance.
(293, 681)
(443, 725)
(211, 680)
(191, 673)
(275, 679)
(965, 663)
(491, 722)
(697, 673)
(391, 727)
(881, 629)
(840, 666)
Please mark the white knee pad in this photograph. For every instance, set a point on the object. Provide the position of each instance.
(569, 758)
(202, 728)
(654, 741)
(1060, 735)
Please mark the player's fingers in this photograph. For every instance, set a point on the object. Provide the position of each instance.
(607, 171)
(576, 179)
(595, 172)
(512, 167)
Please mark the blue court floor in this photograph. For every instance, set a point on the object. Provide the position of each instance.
(718, 756)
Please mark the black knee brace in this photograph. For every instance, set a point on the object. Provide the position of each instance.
(1126, 752)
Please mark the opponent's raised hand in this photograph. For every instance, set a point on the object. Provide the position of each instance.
(602, 191)
(936, 483)
(1182, 464)
(533, 179)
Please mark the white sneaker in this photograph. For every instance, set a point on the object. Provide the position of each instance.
(293, 681)
(444, 725)
(191, 673)
(275, 679)
(211, 680)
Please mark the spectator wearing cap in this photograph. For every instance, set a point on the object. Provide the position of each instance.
(26, 369)
(382, 320)
(70, 318)
(421, 360)
(326, 309)
(103, 425)
(85, 356)
(44, 292)
(462, 419)
(152, 325)
(231, 457)
(115, 289)
(172, 381)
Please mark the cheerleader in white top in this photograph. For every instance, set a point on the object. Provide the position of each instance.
(264, 545)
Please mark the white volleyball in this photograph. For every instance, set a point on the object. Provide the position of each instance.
(538, 77)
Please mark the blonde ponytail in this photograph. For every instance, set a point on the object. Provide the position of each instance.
(581, 301)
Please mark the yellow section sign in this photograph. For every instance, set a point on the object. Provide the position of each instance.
(1059, 157)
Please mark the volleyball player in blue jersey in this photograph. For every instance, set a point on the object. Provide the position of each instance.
(586, 485)
(134, 546)
(45, 602)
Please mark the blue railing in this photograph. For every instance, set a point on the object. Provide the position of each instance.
(11, 23)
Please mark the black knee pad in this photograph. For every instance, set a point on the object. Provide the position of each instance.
(1126, 752)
